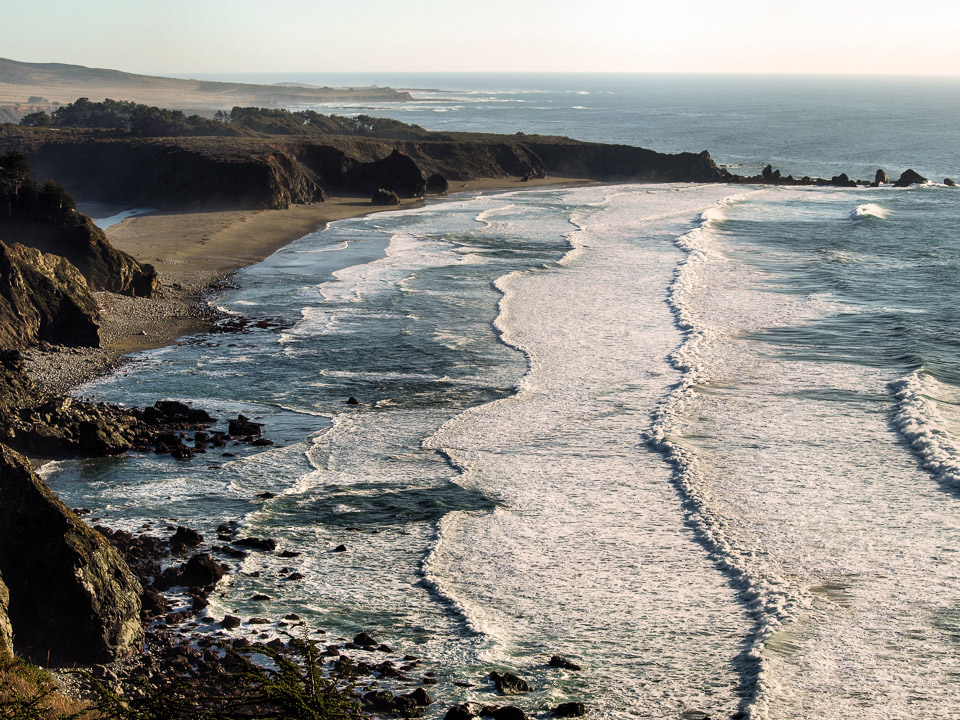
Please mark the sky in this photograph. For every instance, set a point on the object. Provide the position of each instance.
(733, 36)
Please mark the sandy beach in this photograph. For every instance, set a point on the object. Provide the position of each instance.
(194, 253)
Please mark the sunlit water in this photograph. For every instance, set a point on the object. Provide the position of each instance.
(701, 439)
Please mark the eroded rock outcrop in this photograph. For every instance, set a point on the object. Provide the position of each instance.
(397, 173)
(6, 629)
(71, 594)
(44, 297)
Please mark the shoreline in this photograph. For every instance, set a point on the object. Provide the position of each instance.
(196, 254)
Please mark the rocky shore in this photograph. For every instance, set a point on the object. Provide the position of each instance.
(75, 300)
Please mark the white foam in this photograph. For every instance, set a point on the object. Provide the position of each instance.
(919, 420)
(869, 210)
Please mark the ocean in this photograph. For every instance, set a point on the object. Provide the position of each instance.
(703, 440)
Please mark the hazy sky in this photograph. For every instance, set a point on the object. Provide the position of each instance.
(178, 36)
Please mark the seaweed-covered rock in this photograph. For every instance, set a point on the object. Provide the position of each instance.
(509, 684)
(72, 596)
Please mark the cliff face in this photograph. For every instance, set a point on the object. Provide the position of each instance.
(44, 297)
(71, 594)
(196, 173)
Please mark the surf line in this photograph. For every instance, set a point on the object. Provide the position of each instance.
(765, 597)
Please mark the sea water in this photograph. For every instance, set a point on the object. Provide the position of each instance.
(703, 440)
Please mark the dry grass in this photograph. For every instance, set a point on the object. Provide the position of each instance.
(28, 693)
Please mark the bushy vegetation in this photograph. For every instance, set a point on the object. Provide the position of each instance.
(126, 117)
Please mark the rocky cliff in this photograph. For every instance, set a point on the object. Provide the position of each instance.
(72, 596)
(44, 297)
(6, 629)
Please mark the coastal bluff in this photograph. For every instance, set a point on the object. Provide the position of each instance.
(274, 172)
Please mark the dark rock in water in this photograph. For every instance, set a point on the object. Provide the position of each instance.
(71, 594)
(570, 709)
(412, 704)
(558, 661)
(437, 183)
(842, 180)
(290, 554)
(384, 197)
(340, 548)
(509, 684)
(243, 427)
(257, 543)
(230, 622)
(949, 183)
(506, 712)
(420, 697)
(184, 538)
(910, 177)
(201, 570)
(175, 415)
(6, 629)
(881, 177)
(44, 298)
(364, 640)
(262, 442)
(352, 401)
(294, 576)
(291, 616)
(266, 495)
(460, 712)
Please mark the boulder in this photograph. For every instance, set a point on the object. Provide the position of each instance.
(910, 177)
(243, 427)
(460, 712)
(72, 596)
(364, 640)
(949, 183)
(437, 184)
(384, 197)
(570, 709)
(257, 543)
(881, 177)
(201, 570)
(507, 712)
(509, 684)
